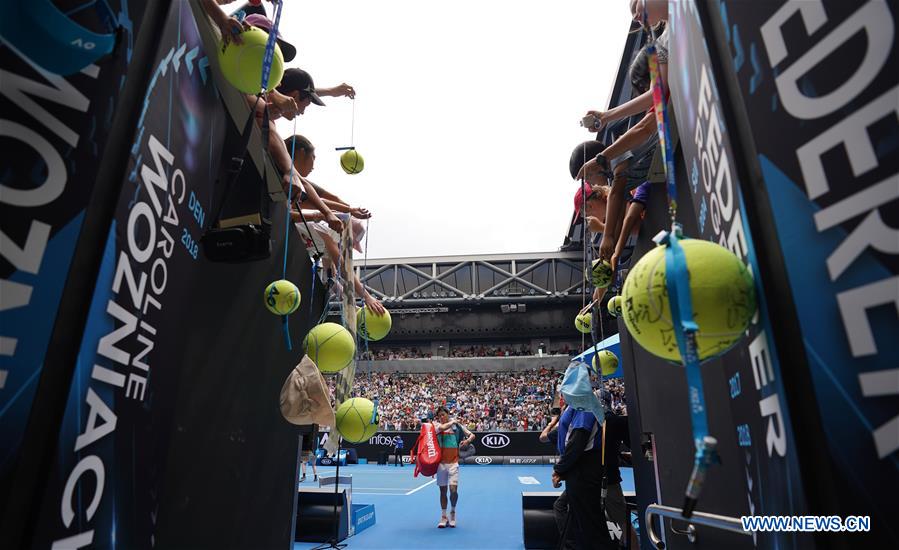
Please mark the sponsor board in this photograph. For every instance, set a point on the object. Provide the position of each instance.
(501, 443)
(383, 440)
(495, 440)
(484, 460)
(363, 517)
(524, 460)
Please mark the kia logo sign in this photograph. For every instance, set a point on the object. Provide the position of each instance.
(327, 461)
(495, 441)
(483, 459)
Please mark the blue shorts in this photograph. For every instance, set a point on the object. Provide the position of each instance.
(638, 161)
(641, 193)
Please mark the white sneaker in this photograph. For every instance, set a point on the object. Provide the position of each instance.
(452, 519)
(442, 523)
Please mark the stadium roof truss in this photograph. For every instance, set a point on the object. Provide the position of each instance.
(472, 279)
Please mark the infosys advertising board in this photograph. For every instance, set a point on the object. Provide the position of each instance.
(820, 85)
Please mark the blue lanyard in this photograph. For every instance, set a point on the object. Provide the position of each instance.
(678, 285)
(270, 47)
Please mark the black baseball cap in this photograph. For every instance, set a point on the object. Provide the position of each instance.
(298, 80)
(262, 22)
(582, 153)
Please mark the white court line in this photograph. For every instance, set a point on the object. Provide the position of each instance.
(420, 487)
(379, 488)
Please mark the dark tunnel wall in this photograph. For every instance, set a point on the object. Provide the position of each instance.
(791, 404)
(55, 131)
(172, 434)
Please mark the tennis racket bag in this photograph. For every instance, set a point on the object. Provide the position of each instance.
(425, 453)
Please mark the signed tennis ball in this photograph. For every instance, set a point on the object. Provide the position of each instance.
(721, 289)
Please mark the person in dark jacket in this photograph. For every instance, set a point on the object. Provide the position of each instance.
(580, 467)
(398, 451)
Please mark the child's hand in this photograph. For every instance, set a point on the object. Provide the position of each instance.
(606, 247)
(360, 213)
(283, 105)
(231, 29)
(334, 223)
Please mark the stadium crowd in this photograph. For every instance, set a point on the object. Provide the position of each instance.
(506, 401)
(463, 351)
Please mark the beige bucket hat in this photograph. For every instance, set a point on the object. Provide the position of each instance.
(304, 396)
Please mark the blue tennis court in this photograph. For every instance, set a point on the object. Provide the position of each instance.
(407, 509)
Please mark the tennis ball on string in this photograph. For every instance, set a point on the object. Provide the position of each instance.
(721, 289)
(370, 325)
(352, 162)
(583, 322)
(614, 306)
(608, 362)
(241, 64)
(600, 273)
(282, 297)
(330, 346)
(356, 419)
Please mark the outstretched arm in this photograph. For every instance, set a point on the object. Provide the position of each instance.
(337, 91)
(631, 220)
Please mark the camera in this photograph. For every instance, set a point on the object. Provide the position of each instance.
(239, 243)
(591, 121)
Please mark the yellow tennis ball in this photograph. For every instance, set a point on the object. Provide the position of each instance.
(330, 346)
(600, 273)
(723, 297)
(608, 362)
(352, 162)
(372, 326)
(282, 297)
(356, 420)
(241, 64)
(614, 306)
(584, 322)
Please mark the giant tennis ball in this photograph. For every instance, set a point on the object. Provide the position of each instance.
(583, 322)
(352, 162)
(356, 420)
(600, 273)
(282, 297)
(330, 346)
(370, 325)
(723, 300)
(608, 362)
(614, 306)
(241, 64)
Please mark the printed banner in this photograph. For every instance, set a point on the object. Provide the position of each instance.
(55, 129)
(822, 77)
(104, 487)
(758, 408)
